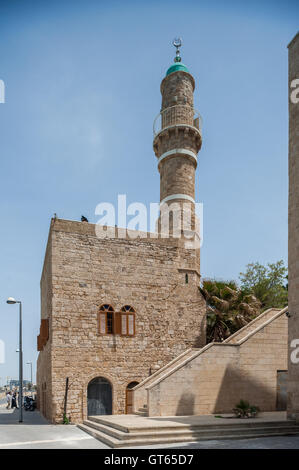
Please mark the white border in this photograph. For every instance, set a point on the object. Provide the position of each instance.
(177, 196)
(178, 151)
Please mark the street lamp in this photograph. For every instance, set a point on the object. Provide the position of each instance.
(29, 362)
(11, 300)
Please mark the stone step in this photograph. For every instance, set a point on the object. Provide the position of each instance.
(139, 439)
(242, 423)
(115, 437)
(141, 412)
(168, 432)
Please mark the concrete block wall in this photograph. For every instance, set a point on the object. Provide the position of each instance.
(253, 325)
(140, 391)
(293, 379)
(217, 377)
(193, 389)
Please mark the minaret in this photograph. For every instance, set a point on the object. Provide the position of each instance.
(177, 138)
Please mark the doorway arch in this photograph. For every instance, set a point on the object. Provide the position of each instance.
(99, 397)
(129, 397)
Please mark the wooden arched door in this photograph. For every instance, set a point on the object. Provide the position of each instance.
(99, 397)
(129, 397)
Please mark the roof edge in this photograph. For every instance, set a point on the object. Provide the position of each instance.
(293, 40)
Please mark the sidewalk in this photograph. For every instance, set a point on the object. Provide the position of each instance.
(36, 433)
(12, 417)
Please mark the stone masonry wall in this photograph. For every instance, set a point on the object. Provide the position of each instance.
(293, 378)
(148, 274)
(177, 174)
(177, 89)
(44, 376)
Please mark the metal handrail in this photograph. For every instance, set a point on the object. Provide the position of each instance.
(177, 114)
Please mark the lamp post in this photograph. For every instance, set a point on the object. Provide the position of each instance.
(29, 362)
(11, 300)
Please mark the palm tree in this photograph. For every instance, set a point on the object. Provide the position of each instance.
(228, 308)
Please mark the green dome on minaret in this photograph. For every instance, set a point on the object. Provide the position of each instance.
(177, 66)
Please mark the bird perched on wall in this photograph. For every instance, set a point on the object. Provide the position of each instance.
(84, 219)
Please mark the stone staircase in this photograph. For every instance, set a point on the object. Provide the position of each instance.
(142, 411)
(117, 433)
(140, 391)
(150, 393)
(264, 317)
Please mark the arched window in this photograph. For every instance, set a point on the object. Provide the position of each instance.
(106, 320)
(127, 321)
(118, 323)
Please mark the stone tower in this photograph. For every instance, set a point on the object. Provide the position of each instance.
(177, 140)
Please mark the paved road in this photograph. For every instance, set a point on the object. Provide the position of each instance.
(36, 433)
(283, 442)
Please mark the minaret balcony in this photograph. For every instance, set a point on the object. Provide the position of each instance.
(176, 116)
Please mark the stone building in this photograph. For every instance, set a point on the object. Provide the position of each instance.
(115, 309)
(122, 318)
(293, 381)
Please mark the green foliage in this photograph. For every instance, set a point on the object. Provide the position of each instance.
(228, 308)
(266, 283)
(66, 420)
(244, 410)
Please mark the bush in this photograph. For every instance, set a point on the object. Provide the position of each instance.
(244, 410)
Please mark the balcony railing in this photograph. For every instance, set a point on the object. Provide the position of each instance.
(178, 114)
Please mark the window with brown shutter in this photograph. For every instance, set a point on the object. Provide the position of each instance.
(127, 314)
(118, 323)
(106, 320)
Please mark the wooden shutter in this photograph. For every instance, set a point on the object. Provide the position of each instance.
(102, 323)
(117, 323)
(44, 330)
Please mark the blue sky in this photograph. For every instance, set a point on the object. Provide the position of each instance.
(82, 90)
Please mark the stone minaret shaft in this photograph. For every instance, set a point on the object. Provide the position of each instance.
(178, 139)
